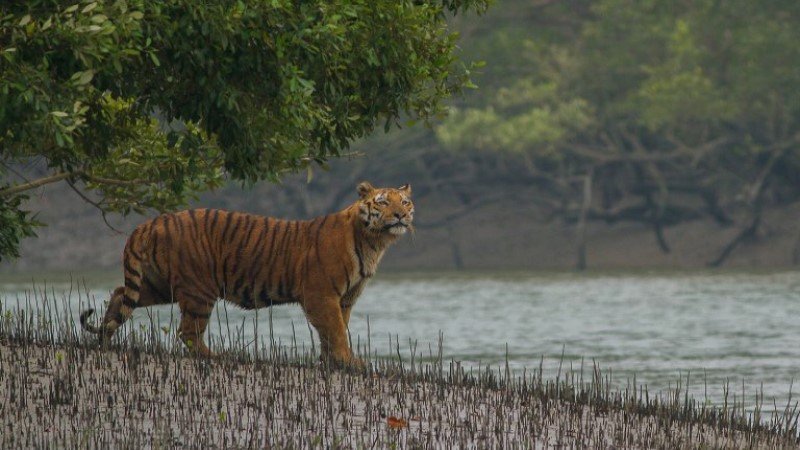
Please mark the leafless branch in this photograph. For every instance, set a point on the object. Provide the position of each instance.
(95, 204)
(114, 181)
(11, 169)
(779, 150)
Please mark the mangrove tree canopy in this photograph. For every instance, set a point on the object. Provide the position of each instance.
(140, 104)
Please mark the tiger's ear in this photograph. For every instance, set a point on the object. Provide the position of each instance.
(364, 189)
(405, 188)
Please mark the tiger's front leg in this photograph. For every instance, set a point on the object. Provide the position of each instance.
(326, 316)
(195, 314)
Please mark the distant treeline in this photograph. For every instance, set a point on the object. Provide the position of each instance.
(647, 111)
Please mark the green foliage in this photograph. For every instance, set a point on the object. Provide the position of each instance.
(152, 169)
(596, 73)
(613, 105)
(526, 117)
(694, 69)
(15, 224)
(667, 99)
(534, 114)
(147, 102)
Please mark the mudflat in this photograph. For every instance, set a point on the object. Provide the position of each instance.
(69, 396)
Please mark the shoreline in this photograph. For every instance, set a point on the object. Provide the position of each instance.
(67, 394)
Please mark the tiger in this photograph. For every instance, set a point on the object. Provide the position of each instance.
(198, 256)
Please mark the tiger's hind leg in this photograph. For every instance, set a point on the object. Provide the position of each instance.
(195, 314)
(111, 320)
(136, 293)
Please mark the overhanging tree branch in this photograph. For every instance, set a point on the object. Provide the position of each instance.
(12, 190)
(60, 176)
(115, 182)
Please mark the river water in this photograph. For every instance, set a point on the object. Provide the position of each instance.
(740, 329)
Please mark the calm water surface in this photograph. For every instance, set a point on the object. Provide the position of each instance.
(738, 328)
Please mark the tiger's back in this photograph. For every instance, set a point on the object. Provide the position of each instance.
(246, 259)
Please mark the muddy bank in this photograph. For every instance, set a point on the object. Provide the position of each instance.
(73, 395)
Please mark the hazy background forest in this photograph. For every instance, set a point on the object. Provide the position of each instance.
(602, 134)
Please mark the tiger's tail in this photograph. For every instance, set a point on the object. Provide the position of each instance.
(106, 328)
(84, 317)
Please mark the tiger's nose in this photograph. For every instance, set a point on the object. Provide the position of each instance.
(399, 216)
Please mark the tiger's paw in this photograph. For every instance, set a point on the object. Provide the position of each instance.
(351, 363)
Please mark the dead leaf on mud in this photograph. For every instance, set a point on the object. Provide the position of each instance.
(396, 422)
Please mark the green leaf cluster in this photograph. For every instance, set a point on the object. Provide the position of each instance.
(15, 224)
(527, 117)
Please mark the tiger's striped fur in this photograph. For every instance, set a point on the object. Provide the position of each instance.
(198, 256)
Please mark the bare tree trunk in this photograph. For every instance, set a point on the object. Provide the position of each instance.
(756, 197)
(657, 205)
(587, 202)
(746, 233)
(458, 260)
(660, 206)
(662, 241)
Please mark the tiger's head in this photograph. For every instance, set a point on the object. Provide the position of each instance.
(385, 210)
